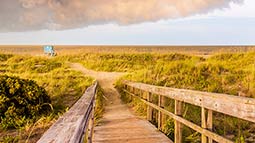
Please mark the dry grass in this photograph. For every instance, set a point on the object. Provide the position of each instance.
(67, 50)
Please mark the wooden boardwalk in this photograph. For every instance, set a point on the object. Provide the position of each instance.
(119, 124)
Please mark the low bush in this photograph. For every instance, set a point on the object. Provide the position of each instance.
(20, 100)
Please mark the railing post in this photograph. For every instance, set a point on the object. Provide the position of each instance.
(210, 123)
(206, 123)
(125, 86)
(144, 96)
(203, 124)
(160, 114)
(136, 92)
(149, 109)
(132, 90)
(178, 125)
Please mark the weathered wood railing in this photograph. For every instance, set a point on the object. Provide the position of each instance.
(240, 107)
(76, 124)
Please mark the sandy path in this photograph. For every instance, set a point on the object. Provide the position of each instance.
(118, 124)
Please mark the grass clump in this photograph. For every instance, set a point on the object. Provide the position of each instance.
(5, 57)
(34, 65)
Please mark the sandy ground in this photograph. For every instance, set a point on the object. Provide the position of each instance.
(118, 124)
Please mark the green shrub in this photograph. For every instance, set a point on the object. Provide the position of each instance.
(21, 99)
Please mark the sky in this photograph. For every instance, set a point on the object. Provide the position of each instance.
(127, 22)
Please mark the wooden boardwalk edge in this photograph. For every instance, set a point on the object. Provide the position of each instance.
(70, 127)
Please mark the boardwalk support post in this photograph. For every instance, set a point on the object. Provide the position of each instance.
(206, 123)
(177, 124)
(149, 108)
(203, 124)
(132, 90)
(160, 114)
(210, 123)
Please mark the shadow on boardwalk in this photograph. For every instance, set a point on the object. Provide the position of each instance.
(118, 124)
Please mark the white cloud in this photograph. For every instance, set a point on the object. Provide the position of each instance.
(246, 9)
(25, 15)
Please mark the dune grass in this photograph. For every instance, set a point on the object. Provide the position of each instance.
(224, 73)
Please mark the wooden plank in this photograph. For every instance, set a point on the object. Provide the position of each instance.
(70, 127)
(191, 125)
(239, 107)
(177, 124)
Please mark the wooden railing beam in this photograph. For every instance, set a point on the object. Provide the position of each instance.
(239, 107)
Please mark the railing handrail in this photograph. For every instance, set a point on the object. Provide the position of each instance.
(240, 107)
(71, 127)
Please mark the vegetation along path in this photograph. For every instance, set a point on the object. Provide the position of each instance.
(118, 124)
